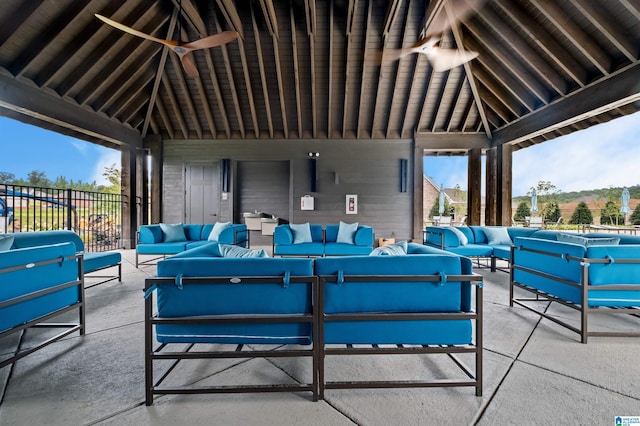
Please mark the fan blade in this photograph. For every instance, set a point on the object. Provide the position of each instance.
(445, 59)
(188, 65)
(170, 43)
(211, 41)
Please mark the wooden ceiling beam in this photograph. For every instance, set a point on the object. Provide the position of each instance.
(511, 44)
(192, 16)
(457, 35)
(18, 17)
(330, 73)
(186, 98)
(497, 89)
(539, 35)
(363, 97)
(392, 11)
(581, 40)
(600, 17)
(633, 6)
(454, 105)
(263, 76)
(270, 17)
(427, 77)
(228, 9)
(29, 100)
(353, 4)
(175, 105)
(136, 88)
(159, 71)
(620, 88)
(213, 75)
(165, 118)
(248, 87)
(451, 141)
(281, 96)
(296, 70)
(310, 17)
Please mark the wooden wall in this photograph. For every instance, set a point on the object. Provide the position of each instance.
(370, 169)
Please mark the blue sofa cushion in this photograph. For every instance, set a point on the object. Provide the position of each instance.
(346, 233)
(396, 249)
(6, 241)
(98, 260)
(164, 248)
(583, 241)
(208, 249)
(192, 231)
(228, 250)
(302, 249)
(45, 238)
(28, 280)
(473, 250)
(497, 236)
(301, 233)
(217, 229)
(264, 298)
(150, 234)
(172, 232)
(461, 235)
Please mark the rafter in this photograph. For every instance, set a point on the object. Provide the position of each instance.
(165, 118)
(263, 76)
(310, 18)
(186, 94)
(363, 97)
(296, 71)
(270, 18)
(166, 84)
(228, 9)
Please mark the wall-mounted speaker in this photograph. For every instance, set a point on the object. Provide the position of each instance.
(226, 174)
(313, 175)
(404, 174)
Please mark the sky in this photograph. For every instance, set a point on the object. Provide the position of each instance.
(599, 157)
(25, 148)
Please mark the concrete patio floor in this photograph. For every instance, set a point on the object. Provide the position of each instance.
(535, 373)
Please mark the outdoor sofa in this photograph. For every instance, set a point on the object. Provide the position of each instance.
(95, 263)
(413, 304)
(314, 240)
(592, 274)
(480, 242)
(161, 240)
(39, 284)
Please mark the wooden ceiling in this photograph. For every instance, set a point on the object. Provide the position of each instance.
(303, 69)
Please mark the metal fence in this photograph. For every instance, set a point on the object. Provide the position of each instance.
(95, 216)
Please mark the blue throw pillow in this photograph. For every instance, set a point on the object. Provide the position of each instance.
(396, 249)
(497, 236)
(347, 233)
(218, 227)
(228, 250)
(586, 242)
(172, 232)
(6, 241)
(463, 238)
(301, 233)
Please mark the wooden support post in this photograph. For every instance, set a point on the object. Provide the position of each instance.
(504, 165)
(129, 194)
(491, 187)
(418, 194)
(474, 187)
(153, 145)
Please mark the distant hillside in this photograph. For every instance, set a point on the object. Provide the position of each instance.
(588, 196)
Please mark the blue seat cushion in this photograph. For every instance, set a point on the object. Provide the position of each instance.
(161, 248)
(98, 260)
(301, 249)
(343, 249)
(473, 250)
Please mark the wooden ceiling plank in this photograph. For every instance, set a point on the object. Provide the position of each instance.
(165, 118)
(270, 17)
(310, 16)
(467, 69)
(467, 113)
(120, 85)
(283, 109)
(398, 65)
(330, 72)
(46, 36)
(136, 87)
(56, 66)
(602, 20)
(428, 75)
(128, 113)
(578, 37)
(166, 84)
(507, 79)
(296, 71)
(230, 13)
(454, 106)
(563, 59)
(110, 36)
(617, 89)
(120, 63)
(498, 90)
(392, 11)
(247, 82)
(517, 46)
(192, 15)
(218, 92)
(347, 63)
(263, 76)
(29, 100)
(18, 17)
(363, 89)
(153, 97)
(232, 83)
(186, 97)
(633, 6)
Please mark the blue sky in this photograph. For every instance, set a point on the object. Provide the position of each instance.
(598, 157)
(601, 156)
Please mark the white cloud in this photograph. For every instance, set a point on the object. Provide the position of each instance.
(81, 146)
(107, 158)
(598, 157)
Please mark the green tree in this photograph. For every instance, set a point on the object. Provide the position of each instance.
(635, 216)
(582, 215)
(551, 211)
(114, 176)
(37, 178)
(6, 177)
(448, 209)
(522, 211)
(610, 214)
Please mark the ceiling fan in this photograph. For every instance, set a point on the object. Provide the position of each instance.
(180, 48)
(447, 14)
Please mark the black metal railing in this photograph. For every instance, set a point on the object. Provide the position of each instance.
(95, 216)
